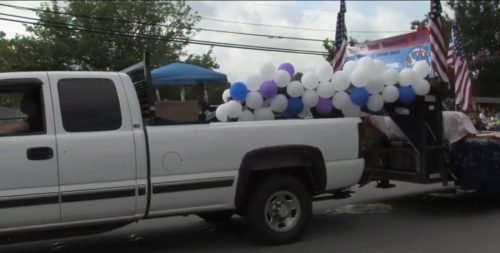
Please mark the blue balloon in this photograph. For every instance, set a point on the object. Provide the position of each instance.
(295, 106)
(238, 91)
(359, 96)
(406, 95)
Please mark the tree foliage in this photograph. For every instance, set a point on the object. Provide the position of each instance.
(103, 35)
(329, 45)
(205, 60)
(479, 22)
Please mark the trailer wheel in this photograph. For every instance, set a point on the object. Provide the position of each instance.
(278, 210)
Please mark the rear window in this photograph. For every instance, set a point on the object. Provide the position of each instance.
(21, 108)
(89, 105)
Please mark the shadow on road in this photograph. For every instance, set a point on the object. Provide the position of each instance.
(371, 220)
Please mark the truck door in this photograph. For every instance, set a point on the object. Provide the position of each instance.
(95, 147)
(29, 188)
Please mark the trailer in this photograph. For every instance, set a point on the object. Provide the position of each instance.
(425, 155)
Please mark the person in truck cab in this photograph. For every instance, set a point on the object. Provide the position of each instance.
(31, 106)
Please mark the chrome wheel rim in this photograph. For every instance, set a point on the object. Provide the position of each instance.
(282, 211)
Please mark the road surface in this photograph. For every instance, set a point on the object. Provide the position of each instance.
(408, 218)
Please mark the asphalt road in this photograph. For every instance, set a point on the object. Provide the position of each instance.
(408, 218)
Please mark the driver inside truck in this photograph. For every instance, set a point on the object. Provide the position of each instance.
(31, 106)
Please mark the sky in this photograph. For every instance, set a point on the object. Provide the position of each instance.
(364, 20)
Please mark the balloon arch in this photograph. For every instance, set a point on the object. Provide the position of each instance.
(364, 82)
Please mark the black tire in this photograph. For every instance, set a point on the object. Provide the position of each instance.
(257, 216)
(217, 217)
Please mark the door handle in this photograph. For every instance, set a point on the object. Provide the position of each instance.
(40, 153)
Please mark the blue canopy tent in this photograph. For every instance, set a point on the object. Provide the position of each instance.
(183, 74)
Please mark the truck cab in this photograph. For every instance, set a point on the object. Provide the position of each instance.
(81, 164)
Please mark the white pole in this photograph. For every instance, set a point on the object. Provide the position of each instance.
(183, 94)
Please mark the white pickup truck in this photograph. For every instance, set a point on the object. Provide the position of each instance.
(82, 159)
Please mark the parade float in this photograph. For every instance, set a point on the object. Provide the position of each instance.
(391, 85)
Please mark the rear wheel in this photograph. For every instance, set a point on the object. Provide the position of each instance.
(278, 210)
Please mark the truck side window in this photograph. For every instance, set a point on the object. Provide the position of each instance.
(89, 104)
(21, 110)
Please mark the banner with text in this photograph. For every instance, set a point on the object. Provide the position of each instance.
(398, 52)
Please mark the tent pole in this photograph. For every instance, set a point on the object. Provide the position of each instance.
(158, 95)
(183, 94)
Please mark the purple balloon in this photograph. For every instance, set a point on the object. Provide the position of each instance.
(288, 68)
(268, 89)
(324, 106)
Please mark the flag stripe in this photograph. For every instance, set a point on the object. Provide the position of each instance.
(463, 82)
(438, 46)
(339, 59)
(461, 79)
(340, 38)
(468, 102)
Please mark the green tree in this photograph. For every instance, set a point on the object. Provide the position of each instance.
(446, 23)
(214, 92)
(205, 60)
(329, 45)
(102, 35)
(479, 22)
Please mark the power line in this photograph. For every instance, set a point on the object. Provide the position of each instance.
(295, 28)
(296, 7)
(266, 25)
(163, 25)
(158, 38)
(211, 19)
(261, 35)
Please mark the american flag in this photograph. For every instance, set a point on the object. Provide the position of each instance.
(438, 52)
(340, 38)
(460, 66)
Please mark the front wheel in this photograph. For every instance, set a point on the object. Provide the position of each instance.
(278, 210)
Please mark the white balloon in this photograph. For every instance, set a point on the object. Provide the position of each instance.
(295, 89)
(306, 113)
(267, 103)
(325, 90)
(324, 72)
(421, 69)
(349, 66)
(360, 76)
(421, 87)
(366, 62)
(375, 103)
(246, 115)
(379, 67)
(340, 80)
(341, 100)
(268, 71)
(351, 110)
(233, 109)
(390, 76)
(282, 78)
(221, 113)
(225, 95)
(279, 103)
(264, 114)
(253, 82)
(310, 80)
(310, 98)
(254, 100)
(376, 85)
(390, 94)
(407, 77)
